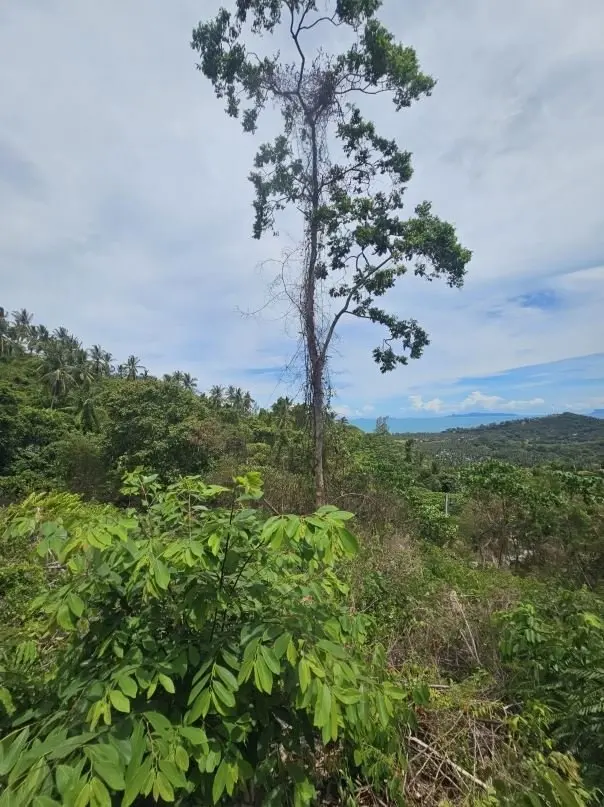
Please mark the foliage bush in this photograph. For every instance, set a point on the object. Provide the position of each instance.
(201, 652)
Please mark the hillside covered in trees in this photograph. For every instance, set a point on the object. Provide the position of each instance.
(179, 621)
(568, 439)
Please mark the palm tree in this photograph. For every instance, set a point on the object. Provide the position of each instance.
(217, 396)
(100, 361)
(22, 320)
(189, 382)
(248, 403)
(133, 367)
(84, 408)
(58, 376)
(42, 337)
(82, 371)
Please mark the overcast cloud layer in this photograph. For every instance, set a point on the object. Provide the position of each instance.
(125, 210)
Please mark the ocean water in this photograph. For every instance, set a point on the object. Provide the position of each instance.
(433, 424)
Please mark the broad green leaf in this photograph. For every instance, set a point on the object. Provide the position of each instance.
(12, 751)
(322, 706)
(281, 644)
(161, 574)
(159, 722)
(263, 678)
(64, 617)
(65, 777)
(106, 763)
(181, 758)
(127, 685)
(349, 542)
(172, 773)
(83, 797)
(135, 785)
(245, 671)
(46, 801)
(335, 650)
(227, 677)
(272, 662)
(138, 746)
(220, 781)
(76, 604)
(164, 788)
(167, 683)
(194, 735)
(100, 793)
(304, 674)
(200, 707)
(119, 701)
(292, 653)
(224, 694)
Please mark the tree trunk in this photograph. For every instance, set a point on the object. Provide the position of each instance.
(315, 356)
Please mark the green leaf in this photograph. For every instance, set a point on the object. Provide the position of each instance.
(281, 644)
(224, 694)
(227, 677)
(220, 781)
(245, 671)
(76, 604)
(136, 784)
(182, 758)
(11, 755)
(304, 674)
(84, 796)
(119, 701)
(194, 735)
(167, 683)
(272, 662)
(349, 542)
(172, 773)
(161, 574)
(164, 788)
(263, 677)
(335, 650)
(200, 707)
(292, 654)
(160, 722)
(322, 706)
(63, 617)
(65, 777)
(100, 793)
(127, 685)
(45, 801)
(106, 763)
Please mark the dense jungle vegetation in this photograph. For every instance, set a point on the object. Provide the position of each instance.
(179, 624)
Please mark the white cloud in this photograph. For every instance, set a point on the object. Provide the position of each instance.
(476, 400)
(126, 212)
(434, 405)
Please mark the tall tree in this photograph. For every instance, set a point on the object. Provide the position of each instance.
(331, 164)
(100, 361)
(133, 368)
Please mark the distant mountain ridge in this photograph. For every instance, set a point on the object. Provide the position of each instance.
(436, 423)
(482, 414)
(571, 439)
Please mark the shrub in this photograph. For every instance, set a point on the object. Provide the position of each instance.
(208, 653)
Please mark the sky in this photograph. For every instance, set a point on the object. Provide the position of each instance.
(125, 210)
